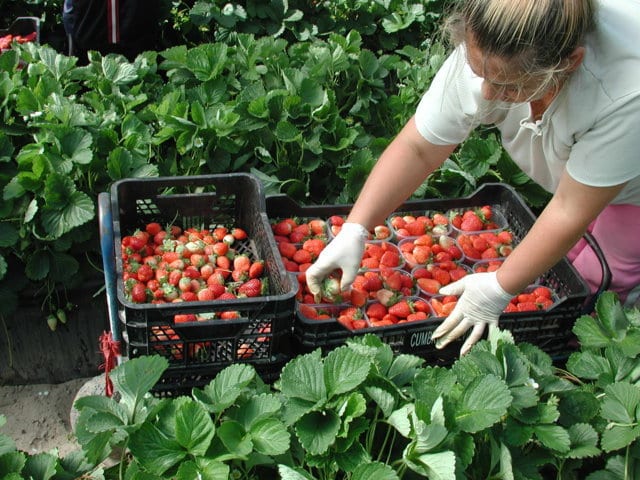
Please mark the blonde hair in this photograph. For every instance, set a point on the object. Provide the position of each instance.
(535, 36)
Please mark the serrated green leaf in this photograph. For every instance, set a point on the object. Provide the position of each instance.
(578, 407)
(194, 428)
(344, 370)
(38, 265)
(383, 399)
(438, 466)
(103, 404)
(7, 445)
(256, 408)
(584, 441)
(235, 439)
(63, 266)
(207, 61)
(270, 436)
(317, 431)
(374, 471)
(8, 235)
(78, 210)
(226, 387)
(287, 132)
(303, 378)
(202, 469)
(621, 402)
(400, 419)
(76, 145)
(153, 450)
(619, 437)
(288, 473)
(590, 333)
(484, 401)
(553, 437)
(12, 463)
(41, 466)
(611, 315)
(588, 365)
(117, 71)
(136, 377)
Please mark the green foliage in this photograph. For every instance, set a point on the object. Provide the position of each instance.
(304, 95)
(361, 411)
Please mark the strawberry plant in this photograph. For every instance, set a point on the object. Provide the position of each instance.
(504, 410)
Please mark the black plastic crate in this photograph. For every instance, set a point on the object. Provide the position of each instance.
(261, 335)
(550, 330)
(177, 383)
(23, 26)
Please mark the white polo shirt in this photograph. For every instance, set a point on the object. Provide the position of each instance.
(592, 127)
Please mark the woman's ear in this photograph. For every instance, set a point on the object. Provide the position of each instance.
(575, 58)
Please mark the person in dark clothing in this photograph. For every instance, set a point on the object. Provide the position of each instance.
(127, 27)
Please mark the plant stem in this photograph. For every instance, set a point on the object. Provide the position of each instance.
(6, 335)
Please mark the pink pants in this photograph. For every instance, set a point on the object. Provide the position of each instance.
(617, 231)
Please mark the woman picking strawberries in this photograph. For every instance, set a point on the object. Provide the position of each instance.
(559, 80)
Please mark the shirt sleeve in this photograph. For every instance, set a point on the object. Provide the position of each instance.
(449, 109)
(608, 153)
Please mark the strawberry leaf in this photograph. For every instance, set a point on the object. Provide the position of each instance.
(484, 401)
(344, 370)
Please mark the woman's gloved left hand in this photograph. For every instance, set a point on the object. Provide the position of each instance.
(481, 302)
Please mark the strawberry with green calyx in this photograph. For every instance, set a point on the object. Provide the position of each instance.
(330, 291)
(401, 309)
(387, 297)
(252, 288)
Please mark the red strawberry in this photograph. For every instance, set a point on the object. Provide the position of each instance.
(302, 256)
(242, 263)
(251, 288)
(471, 222)
(314, 246)
(239, 233)
(287, 250)
(358, 297)
(402, 309)
(376, 310)
(283, 228)
(256, 269)
(429, 285)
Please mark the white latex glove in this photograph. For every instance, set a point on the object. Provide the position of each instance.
(343, 252)
(481, 302)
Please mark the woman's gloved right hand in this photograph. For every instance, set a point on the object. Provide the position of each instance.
(343, 252)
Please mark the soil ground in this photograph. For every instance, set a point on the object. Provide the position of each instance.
(38, 416)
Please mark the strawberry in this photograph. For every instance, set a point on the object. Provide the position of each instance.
(302, 256)
(217, 289)
(381, 232)
(358, 298)
(314, 246)
(153, 228)
(376, 310)
(239, 233)
(527, 307)
(256, 269)
(242, 263)
(308, 311)
(471, 222)
(317, 226)
(402, 309)
(251, 288)
(390, 258)
(287, 250)
(138, 293)
(330, 290)
(429, 285)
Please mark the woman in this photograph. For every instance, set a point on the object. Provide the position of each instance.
(558, 78)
